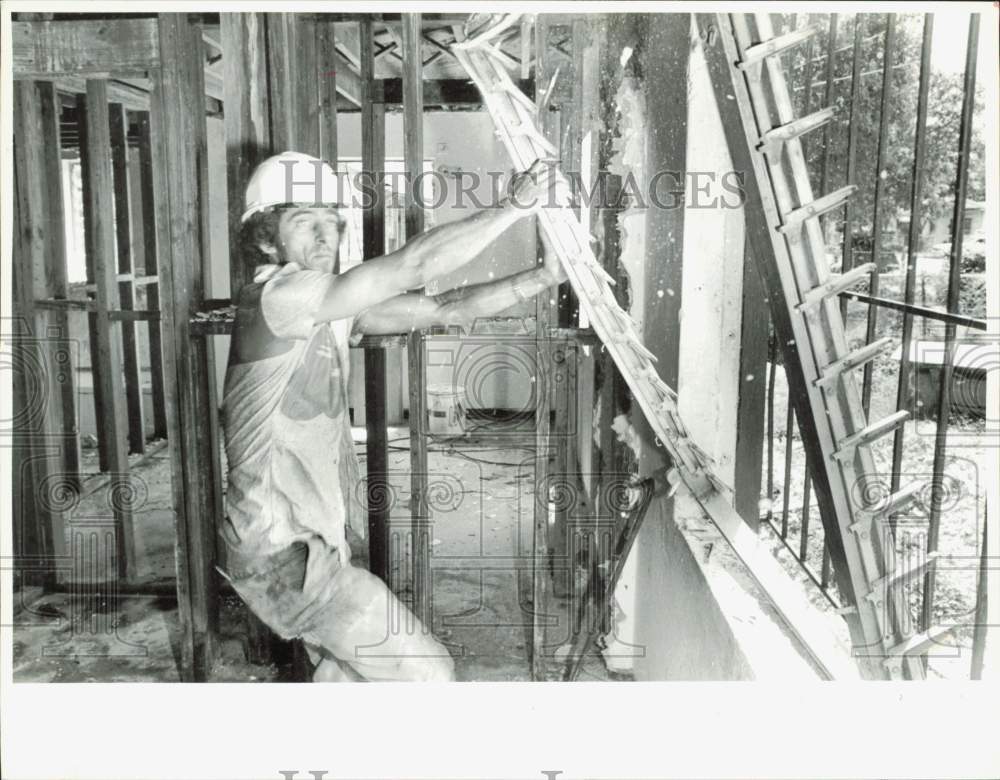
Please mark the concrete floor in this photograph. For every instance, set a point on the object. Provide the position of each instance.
(480, 493)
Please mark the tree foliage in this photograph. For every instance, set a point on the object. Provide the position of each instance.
(944, 108)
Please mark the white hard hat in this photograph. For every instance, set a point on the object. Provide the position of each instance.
(290, 177)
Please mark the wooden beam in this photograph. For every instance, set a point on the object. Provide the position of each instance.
(446, 92)
(126, 289)
(413, 164)
(147, 250)
(749, 456)
(39, 531)
(180, 177)
(593, 46)
(101, 247)
(373, 242)
(545, 318)
(100, 48)
(248, 134)
(50, 280)
(292, 83)
(328, 73)
(103, 431)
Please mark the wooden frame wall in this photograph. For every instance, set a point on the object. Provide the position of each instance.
(174, 248)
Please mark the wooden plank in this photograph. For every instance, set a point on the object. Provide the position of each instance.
(34, 532)
(132, 97)
(147, 214)
(99, 48)
(445, 93)
(118, 119)
(180, 178)
(594, 45)
(103, 441)
(101, 247)
(748, 459)
(53, 327)
(292, 83)
(328, 72)
(373, 245)
(248, 135)
(413, 164)
(545, 318)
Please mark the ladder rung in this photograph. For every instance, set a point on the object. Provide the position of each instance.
(853, 360)
(794, 219)
(517, 95)
(759, 51)
(898, 500)
(882, 585)
(918, 644)
(847, 446)
(778, 135)
(835, 286)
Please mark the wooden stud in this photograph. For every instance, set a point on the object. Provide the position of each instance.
(413, 133)
(247, 117)
(327, 67)
(37, 529)
(82, 47)
(373, 241)
(293, 84)
(147, 212)
(101, 247)
(544, 320)
(748, 459)
(180, 174)
(97, 385)
(126, 289)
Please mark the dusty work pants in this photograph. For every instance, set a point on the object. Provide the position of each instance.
(349, 620)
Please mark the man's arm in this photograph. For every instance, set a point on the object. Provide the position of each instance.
(464, 305)
(434, 253)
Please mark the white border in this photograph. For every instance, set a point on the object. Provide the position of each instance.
(499, 730)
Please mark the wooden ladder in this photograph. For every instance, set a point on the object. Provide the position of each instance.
(516, 119)
(762, 132)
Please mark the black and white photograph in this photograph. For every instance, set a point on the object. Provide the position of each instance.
(536, 349)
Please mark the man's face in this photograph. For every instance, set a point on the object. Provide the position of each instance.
(310, 236)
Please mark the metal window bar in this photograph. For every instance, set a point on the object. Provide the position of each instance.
(913, 239)
(889, 48)
(911, 311)
(944, 395)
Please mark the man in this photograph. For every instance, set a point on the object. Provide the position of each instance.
(293, 474)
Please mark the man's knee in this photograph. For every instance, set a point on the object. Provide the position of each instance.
(440, 669)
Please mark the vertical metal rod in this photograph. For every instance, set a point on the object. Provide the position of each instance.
(880, 155)
(831, 45)
(771, 370)
(954, 283)
(853, 123)
(808, 89)
(981, 613)
(913, 240)
(786, 491)
(804, 534)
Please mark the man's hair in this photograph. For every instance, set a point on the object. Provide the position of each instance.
(260, 228)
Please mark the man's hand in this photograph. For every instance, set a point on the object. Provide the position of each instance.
(535, 188)
(551, 267)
